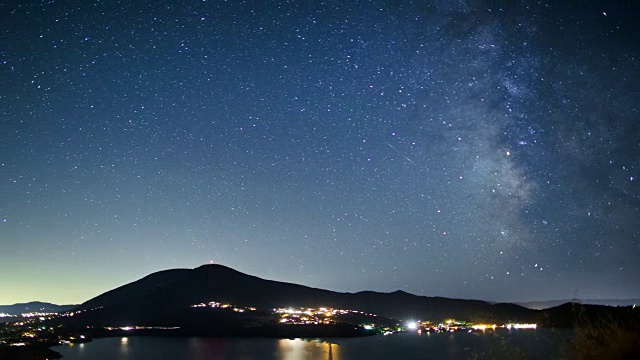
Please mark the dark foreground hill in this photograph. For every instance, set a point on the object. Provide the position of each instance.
(165, 298)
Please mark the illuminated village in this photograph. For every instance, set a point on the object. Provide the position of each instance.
(329, 316)
(32, 328)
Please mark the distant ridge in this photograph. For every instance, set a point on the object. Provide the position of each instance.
(546, 304)
(34, 306)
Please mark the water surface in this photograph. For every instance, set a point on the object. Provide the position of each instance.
(529, 344)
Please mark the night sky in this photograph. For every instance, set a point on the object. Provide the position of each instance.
(473, 150)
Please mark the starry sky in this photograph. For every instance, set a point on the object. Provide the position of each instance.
(472, 149)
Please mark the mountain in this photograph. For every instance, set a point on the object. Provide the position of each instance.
(166, 299)
(178, 288)
(546, 304)
(34, 306)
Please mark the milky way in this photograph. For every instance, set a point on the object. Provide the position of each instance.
(475, 150)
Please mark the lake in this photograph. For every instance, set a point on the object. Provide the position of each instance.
(514, 344)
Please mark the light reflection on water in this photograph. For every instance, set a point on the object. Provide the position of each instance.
(536, 344)
(124, 348)
(260, 348)
(295, 349)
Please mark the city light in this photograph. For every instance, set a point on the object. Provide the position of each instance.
(521, 326)
(221, 305)
(483, 327)
(129, 328)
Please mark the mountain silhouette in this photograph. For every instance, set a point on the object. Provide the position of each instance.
(180, 288)
(166, 298)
